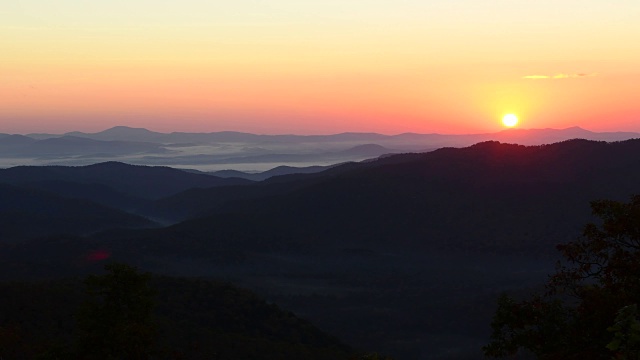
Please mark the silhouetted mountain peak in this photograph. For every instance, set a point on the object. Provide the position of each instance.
(120, 130)
(577, 128)
(69, 139)
(115, 165)
(120, 133)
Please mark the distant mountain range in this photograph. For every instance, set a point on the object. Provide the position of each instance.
(251, 153)
(416, 245)
(529, 136)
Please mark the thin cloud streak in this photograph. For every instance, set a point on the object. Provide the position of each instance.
(536, 77)
(573, 76)
(559, 76)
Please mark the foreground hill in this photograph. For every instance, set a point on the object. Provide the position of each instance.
(197, 319)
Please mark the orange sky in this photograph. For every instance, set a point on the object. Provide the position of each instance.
(307, 67)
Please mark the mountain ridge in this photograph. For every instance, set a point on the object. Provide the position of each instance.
(138, 180)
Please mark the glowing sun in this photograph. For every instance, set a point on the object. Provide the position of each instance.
(510, 120)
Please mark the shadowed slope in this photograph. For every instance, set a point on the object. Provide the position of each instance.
(26, 213)
(140, 181)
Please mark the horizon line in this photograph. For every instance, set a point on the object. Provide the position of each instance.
(312, 135)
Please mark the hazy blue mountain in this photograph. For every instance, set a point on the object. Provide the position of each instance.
(370, 150)
(141, 134)
(56, 147)
(528, 136)
(120, 133)
(14, 140)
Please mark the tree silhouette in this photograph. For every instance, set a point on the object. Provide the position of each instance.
(626, 341)
(575, 318)
(116, 322)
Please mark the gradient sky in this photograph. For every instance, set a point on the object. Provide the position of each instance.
(298, 66)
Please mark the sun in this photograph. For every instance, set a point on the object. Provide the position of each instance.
(510, 120)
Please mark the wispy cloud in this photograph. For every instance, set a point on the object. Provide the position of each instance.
(536, 77)
(559, 76)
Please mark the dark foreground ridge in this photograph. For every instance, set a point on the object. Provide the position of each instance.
(189, 319)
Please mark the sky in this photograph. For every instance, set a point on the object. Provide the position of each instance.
(319, 67)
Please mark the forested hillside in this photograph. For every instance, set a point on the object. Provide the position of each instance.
(191, 319)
